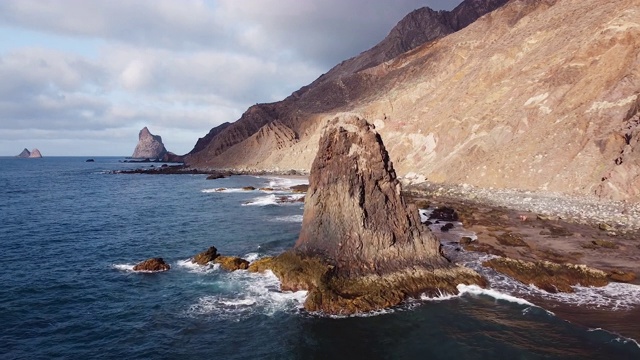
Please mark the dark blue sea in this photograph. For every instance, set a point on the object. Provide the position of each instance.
(70, 232)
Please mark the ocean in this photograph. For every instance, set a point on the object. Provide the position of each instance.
(71, 232)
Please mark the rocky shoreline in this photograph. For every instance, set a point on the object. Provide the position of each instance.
(615, 216)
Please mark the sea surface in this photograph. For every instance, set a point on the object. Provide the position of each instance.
(71, 231)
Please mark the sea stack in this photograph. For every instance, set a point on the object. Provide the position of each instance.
(24, 154)
(149, 146)
(361, 247)
(35, 153)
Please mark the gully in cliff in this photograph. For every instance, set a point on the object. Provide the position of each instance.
(361, 248)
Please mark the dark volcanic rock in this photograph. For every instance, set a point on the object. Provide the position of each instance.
(149, 146)
(361, 248)
(153, 264)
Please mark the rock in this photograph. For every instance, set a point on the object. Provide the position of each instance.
(302, 188)
(605, 227)
(248, 188)
(172, 158)
(549, 276)
(465, 240)
(149, 146)
(89, 160)
(621, 276)
(24, 154)
(510, 239)
(444, 214)
(261, 265)
(266, 189)
(605, 244)
(231, 263)
(446, 227)
(206, 256)
(361, 247)
(422, 204)
(481, 247)
(215, 176)
(153, 264)
(289, 200)
(35, 153)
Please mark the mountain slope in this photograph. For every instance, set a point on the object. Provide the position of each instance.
(338, 87)
(537, 95)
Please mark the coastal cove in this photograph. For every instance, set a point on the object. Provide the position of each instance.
(73, 230)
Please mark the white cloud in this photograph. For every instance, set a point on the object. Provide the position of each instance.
(176, 66)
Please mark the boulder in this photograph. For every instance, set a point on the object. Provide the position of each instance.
(551, 277)
(302, 188)
(149, 146)
(153, 264)
(206, 256)
(231, 263)
(248, 188)
(361, 248)
(622, 276)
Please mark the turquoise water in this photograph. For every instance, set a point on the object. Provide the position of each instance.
(71, 231)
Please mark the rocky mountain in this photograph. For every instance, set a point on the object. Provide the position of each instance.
(337, 87)
(536, 95)
(24, 154)
(149, 146)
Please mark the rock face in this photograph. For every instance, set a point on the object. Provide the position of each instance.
(536, 95)
(206, 256)
(361, 247)
(153, 264)
(35, 153)
(149, 146)
(24, 154)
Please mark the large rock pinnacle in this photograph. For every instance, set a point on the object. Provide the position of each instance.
(361, 247)
(149, 146)
(354, 215)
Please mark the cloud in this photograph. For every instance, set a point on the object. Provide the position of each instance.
(176, 66)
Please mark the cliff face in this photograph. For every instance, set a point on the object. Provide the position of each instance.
(149, 146)
(537, 95)
(331, 91)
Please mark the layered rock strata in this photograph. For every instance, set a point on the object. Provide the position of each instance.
(361, 247)
(149, 146)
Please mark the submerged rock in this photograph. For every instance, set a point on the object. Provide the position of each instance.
(549, 276)
(361, 247)
(153, 264)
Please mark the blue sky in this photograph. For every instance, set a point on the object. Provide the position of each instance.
(83, 77)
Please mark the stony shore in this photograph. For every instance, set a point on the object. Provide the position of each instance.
(618, 215)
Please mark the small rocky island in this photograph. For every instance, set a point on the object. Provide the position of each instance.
(35, 153)
(149, 146)
(361, 247)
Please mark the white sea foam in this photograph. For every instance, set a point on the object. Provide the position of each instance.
(282, 182)
(123, 267)
(222, 190)
(290, 218)
(252, 293)
(274, 200)
(442, 296)
(251, 257)
(476, 290)
(196, 268)
(262, 201)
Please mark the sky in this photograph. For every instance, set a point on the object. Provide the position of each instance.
(82, 77)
